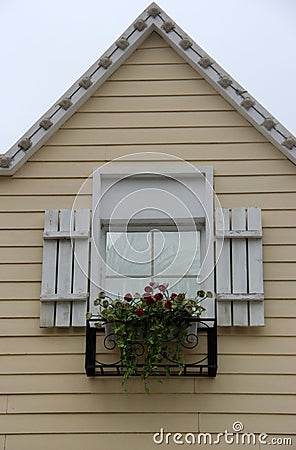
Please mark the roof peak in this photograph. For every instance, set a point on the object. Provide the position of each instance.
(153, 18)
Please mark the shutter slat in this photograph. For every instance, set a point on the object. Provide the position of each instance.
(47, 310)
(255, 261)
(223, 279)
(63, 309)
(80, 272)
(239, 268)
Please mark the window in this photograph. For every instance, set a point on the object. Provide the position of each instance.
(159, 253)
(152, 224)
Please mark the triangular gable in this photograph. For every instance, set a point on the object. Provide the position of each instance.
(152, 19)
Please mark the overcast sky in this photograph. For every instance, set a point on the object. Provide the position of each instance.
(47, 45)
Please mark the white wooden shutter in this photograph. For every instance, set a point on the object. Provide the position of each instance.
(65, 269)
(239, 267)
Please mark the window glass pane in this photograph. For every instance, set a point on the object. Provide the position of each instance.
(118, 287)
(134, 258)
(176, 253)
(128, 254)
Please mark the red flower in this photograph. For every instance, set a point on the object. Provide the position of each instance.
(168, 304)
(158, 296)
(128, 297)
(149, 301)
(139, 311)
(162, 287)
(173, 296)
(148, 289)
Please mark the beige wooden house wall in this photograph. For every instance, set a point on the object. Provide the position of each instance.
(154, 102)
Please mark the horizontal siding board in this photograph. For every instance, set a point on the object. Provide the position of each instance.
(21, 290)
(21, 220)
(20, 327)
(279, 290)
(157, 103)
(31, 187)
(255, 347)
(252, 404)
(279, 236)
(18, 238)
(19, 308)
(223, 185)
(284, 308)
(15, 255)
(20, 272)
(162, 135)
(68, 345)
(38, 203)
(74, 363)
(155, 56)
(279, 271)
(272, 327)
(247, 384)
(147, 88)
(156, 120)
(154, 72)
(224, 153)
(179, 403)
(280, 183)
(278, 218)
(57, 423)
(83, 169)
(267, 201)
(146, 422)
(279, 364)
(79, 383)
(43, 364)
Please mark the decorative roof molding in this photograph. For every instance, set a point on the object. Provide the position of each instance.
(152, 19)
(45, 123)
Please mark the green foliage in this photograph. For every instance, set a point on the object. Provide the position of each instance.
(150, 328)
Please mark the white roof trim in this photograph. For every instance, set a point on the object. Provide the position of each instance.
(152, 19)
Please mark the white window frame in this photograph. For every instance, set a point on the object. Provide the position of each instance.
(207, 234)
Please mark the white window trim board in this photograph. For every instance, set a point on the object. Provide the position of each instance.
(207, 270)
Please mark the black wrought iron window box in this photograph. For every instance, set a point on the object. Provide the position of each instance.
(102, 356)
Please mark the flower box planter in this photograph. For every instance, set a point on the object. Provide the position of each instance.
(151, 332)
(204, 347)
